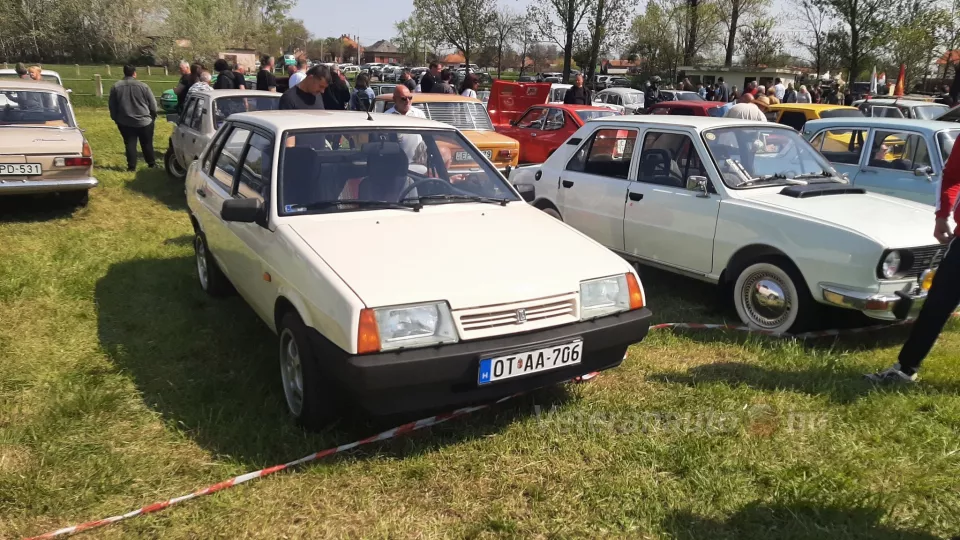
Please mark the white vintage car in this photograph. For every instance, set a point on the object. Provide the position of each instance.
(750, 206)
(399, 268)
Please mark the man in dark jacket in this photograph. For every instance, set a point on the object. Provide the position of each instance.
(266, 80)
(226, 78)
(430, 78)
(407, 80)
(337, 96)
(444, 86)
(578, 95)
(134, 109)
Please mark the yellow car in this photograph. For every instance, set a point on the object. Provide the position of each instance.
(796, 115)
(471, 118)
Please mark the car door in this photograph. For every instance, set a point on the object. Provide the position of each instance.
(526, 130)
(899, 164)
(179, 136)
(249, 242)
(593, 185)
(217, 186)
(664, 222)
(843, 148)
(190, 130)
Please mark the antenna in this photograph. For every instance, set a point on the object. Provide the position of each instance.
(369, 116)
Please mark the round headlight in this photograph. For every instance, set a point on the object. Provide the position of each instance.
(891, 264)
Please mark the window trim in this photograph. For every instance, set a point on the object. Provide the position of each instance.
(851, 129)
(214, 149)
(213, 163)
(693, 145)
(235, 193)
(529, 111)
(563, 119)
(631, 171)
(865, 156)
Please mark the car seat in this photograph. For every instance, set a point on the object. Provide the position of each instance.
(658, 167)
(300, 181)
(386, 171)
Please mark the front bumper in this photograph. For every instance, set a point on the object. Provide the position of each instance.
(445, 376)
(28, 187)
(888, 307)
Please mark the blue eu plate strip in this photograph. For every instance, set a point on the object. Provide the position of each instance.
(484, 376)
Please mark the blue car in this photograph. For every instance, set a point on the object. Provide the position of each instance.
(894, 156)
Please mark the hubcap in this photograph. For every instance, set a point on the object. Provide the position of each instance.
(291, 372)
(201, 262)
(766, 300)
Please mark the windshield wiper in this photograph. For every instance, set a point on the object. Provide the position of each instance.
(467, 198)
(770, 177)
(320, 205)
(821, 174)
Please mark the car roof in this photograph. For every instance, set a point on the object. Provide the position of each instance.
(620, 91)
(696, 122)
(432, 98)
(684, 103)
(242, 93)
(300, 119)
(808, 107)
(573, 108)
(23, 84)
(882, 122)
(42, 72)
(891, 101)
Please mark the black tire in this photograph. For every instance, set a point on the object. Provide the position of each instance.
(552, 213)
(75, 198)
(319, 403)
(211, 278)
(174, 169)
(786, 281)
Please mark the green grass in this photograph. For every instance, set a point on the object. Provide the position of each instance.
(121, 384)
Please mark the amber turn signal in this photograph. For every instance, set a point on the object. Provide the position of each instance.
(368, 335)
(636, 295)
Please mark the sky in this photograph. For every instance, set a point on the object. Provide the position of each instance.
(372, 20)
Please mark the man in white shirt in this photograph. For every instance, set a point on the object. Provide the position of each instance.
(778, 88)
(403, 104)
(298, 75)
(746, 111)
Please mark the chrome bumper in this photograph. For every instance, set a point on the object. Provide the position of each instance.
(891, 307)
(27, 187)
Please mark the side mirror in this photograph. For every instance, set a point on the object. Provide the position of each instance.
(513, 122)
(923, 171)
(698, 183)
(527, 191)
(242, 210)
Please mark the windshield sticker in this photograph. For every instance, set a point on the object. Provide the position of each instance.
(291, 208)
(710, 136)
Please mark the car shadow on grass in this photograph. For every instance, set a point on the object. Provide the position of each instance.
(156, 184)
(209, 368)
(35, 208)
(799, 521)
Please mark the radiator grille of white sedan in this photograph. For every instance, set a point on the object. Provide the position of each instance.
(481, 322)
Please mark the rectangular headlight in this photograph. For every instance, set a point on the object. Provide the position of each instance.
(415, 325)
(604, 296)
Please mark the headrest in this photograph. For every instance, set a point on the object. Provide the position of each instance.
(381, 148)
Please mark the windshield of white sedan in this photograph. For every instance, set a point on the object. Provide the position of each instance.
(34, 108)
(930, 112)
(748, 157)
(331, 171)
(595, 113)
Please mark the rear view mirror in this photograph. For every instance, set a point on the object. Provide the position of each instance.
(242, 211)
(527, 191)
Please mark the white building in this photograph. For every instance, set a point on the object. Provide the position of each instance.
(738, 76)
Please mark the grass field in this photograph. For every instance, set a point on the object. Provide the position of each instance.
(122, 384)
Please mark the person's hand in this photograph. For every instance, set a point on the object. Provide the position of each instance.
(942, 231)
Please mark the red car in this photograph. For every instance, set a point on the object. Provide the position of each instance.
(521, 111)
(686, 108)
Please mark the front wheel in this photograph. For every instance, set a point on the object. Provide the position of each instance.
(212, 280)
(311, 399)
(771, 296)
(174, 169)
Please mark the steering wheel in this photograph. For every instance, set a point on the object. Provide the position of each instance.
(419, 183)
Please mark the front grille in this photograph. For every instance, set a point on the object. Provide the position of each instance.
(516, 317)
(925, 257)
(463, 115)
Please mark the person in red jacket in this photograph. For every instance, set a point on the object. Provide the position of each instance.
(944, 295)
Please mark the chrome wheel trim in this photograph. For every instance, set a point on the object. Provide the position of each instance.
(178, 170)
(766, 300)
(202, 271)
(291, 372)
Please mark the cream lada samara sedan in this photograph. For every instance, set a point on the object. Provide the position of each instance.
(394, 280)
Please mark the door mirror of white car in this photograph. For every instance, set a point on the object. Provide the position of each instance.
(698, 183)
(527, 191)
(173, 118)
(243, 211)
(923, 171)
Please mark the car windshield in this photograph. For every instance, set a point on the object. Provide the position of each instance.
(929, 112)
(587, 115)
(689, 96)
(632, 97)
(463, 115)
(945, 140)
(841, 113)
(366, 169)
(764, 156)
(225, 106)
(19, 107)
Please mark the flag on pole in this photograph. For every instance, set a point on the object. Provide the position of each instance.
(901, 81)
(873, 81)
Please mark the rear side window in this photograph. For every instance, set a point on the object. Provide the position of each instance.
(842, 145)
(607, 153)
(794, 119)
(899, 150)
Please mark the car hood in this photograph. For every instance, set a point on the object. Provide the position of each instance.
(26, 140)
(491, 139)
(891, 222)
(469, 254)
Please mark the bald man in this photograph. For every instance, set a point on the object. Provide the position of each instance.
(403, 105)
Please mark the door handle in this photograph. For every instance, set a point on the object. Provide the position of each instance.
(635, 196)
(201, 192)
(534, 134)
(568, 183)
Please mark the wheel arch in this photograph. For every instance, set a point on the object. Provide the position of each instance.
(286, 303)
(748, 254)
(544, 203)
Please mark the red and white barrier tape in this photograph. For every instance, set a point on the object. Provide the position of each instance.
(407, 428)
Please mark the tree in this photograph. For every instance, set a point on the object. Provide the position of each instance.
(916, 37)
(760, 45)
(606, 25)
(738, 16)
(504, 24)
(651, 40)
(814, 19)
(461, 23)
(559, 21)
(865, 22)
(524, 39)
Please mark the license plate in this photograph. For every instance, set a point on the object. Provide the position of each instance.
(488, 154)
(525, 363)
(465, 156)
(20, 169)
